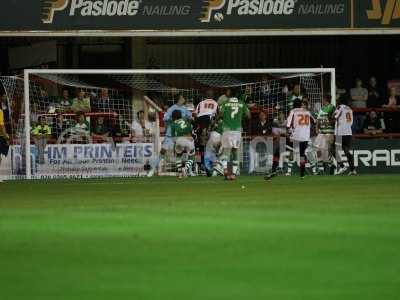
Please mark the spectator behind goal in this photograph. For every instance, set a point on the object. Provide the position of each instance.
(374, 95)
(60, 126)
(81, 129)
(82, 124)
(65, 101)
(40, 135)
(392, 118)
(101, 130)
(372, 124)
(101, 103)
(81, 103)
(261, 127)
(392, 101)
(359, 97)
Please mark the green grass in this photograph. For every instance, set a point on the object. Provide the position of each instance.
(323, 238)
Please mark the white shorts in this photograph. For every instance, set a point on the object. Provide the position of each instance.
(231, 139)
(214, 139)
(184, 145)
(324, 141)
(214, 144)
(168, 143)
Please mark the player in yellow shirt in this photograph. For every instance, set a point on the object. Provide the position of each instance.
(3, 137)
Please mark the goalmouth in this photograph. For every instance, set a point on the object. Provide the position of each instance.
(125, 96)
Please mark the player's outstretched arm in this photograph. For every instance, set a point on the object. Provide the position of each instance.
(167, 115)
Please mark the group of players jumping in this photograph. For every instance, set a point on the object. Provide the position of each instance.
(220, 125)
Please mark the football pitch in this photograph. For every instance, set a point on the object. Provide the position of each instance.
(161, 238)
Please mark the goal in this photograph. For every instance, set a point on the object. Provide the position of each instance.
(105, 123)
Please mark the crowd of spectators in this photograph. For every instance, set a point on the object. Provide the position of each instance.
(86, 116)
(96, 115)
(375, 110)
(377, 102)
(376, 107)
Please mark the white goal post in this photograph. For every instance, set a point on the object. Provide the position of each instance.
(28, 73)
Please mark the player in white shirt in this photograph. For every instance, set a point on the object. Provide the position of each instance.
(205, 112)
(343, 135)
(299, 123)
(206, 108)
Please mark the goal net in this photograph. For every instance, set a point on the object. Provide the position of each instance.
(104, 123)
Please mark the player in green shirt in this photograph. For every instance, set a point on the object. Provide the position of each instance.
(293, 96)
(324, 118)
(181, 131)
(325, 139)
(248, 97)
(232, 113)
(213, 149)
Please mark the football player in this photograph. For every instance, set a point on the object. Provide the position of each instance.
(181, 131)
(232, 113)
(343, 135)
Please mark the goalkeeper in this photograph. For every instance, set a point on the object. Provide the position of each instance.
(168, 142)
(181, 130)
(232, 113)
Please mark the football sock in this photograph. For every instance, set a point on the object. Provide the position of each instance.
(189, 165)
(290, 167)
(218, 168)
(275, 164)
(235, 167)
(224, 159)
(235, 161)
(350, 159)
(302, 168)
(179, 165)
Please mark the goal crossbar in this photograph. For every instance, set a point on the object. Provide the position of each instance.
(178, 71)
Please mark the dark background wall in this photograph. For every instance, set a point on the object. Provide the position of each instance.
(352, 56)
